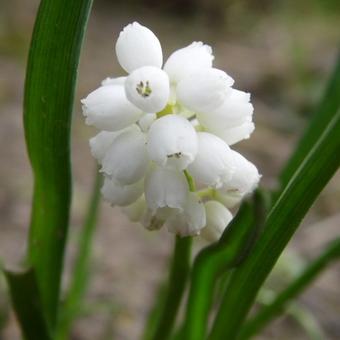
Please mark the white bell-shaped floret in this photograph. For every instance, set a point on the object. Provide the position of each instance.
(126, 160)
(218, 218)
(165, 188)
(234, 111)
(214, 163)
(100, 143)
(172, 142)
(148, 88)
(188, 60)
(136, 210)
(107, 108)
(245, 178)
(138, 46)
(113, 81)
(191, 220)
(204, 90)
(121, 195)
(235, 134)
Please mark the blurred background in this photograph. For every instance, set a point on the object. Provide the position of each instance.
(280, 51)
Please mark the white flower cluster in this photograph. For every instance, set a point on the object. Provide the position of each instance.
(164, 145)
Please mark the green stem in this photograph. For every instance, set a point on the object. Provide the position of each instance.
(177, 280)
(80, 277)
(274, 309)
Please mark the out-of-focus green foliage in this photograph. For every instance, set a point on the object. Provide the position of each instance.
(278, 305)
(80, 278)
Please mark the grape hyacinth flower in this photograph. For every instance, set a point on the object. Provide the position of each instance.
(164, 144)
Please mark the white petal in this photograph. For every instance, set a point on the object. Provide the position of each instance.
(191, 220)
(172, 142)
(146, 121)
(204, 90)
(113, 81)
(165, 188)
(136, 210)
(236, 134)
(229, 199)
(100, 144)
(148, 88)
(188, 60)
(107, 108)
(218, 217)
(155, 220)
(126, 160)
(214, 163)
(234, 111)
(245, 178)
(138, 46)
(122, 195)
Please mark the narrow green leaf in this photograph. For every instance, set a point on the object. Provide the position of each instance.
(179, 273)
(49, 92)
(325, 111)
(80, 277)
(275, 308)
(220, 257)
(285, 216)
(26, 301)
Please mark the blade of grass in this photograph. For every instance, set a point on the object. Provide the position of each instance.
(216, 259)
(71, 307)
(275, 308)
(326, 109)
(284, 218)
(179, 273)
(49, 93)
(25, 297)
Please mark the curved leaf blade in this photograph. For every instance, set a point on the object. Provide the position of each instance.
(49, 93)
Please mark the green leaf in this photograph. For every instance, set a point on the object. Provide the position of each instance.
(285, 216)
(26, 301)
(276, 307)
(325, 111)
(49, 93)
(218, 258)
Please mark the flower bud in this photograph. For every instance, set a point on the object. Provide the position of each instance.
(138, 46)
